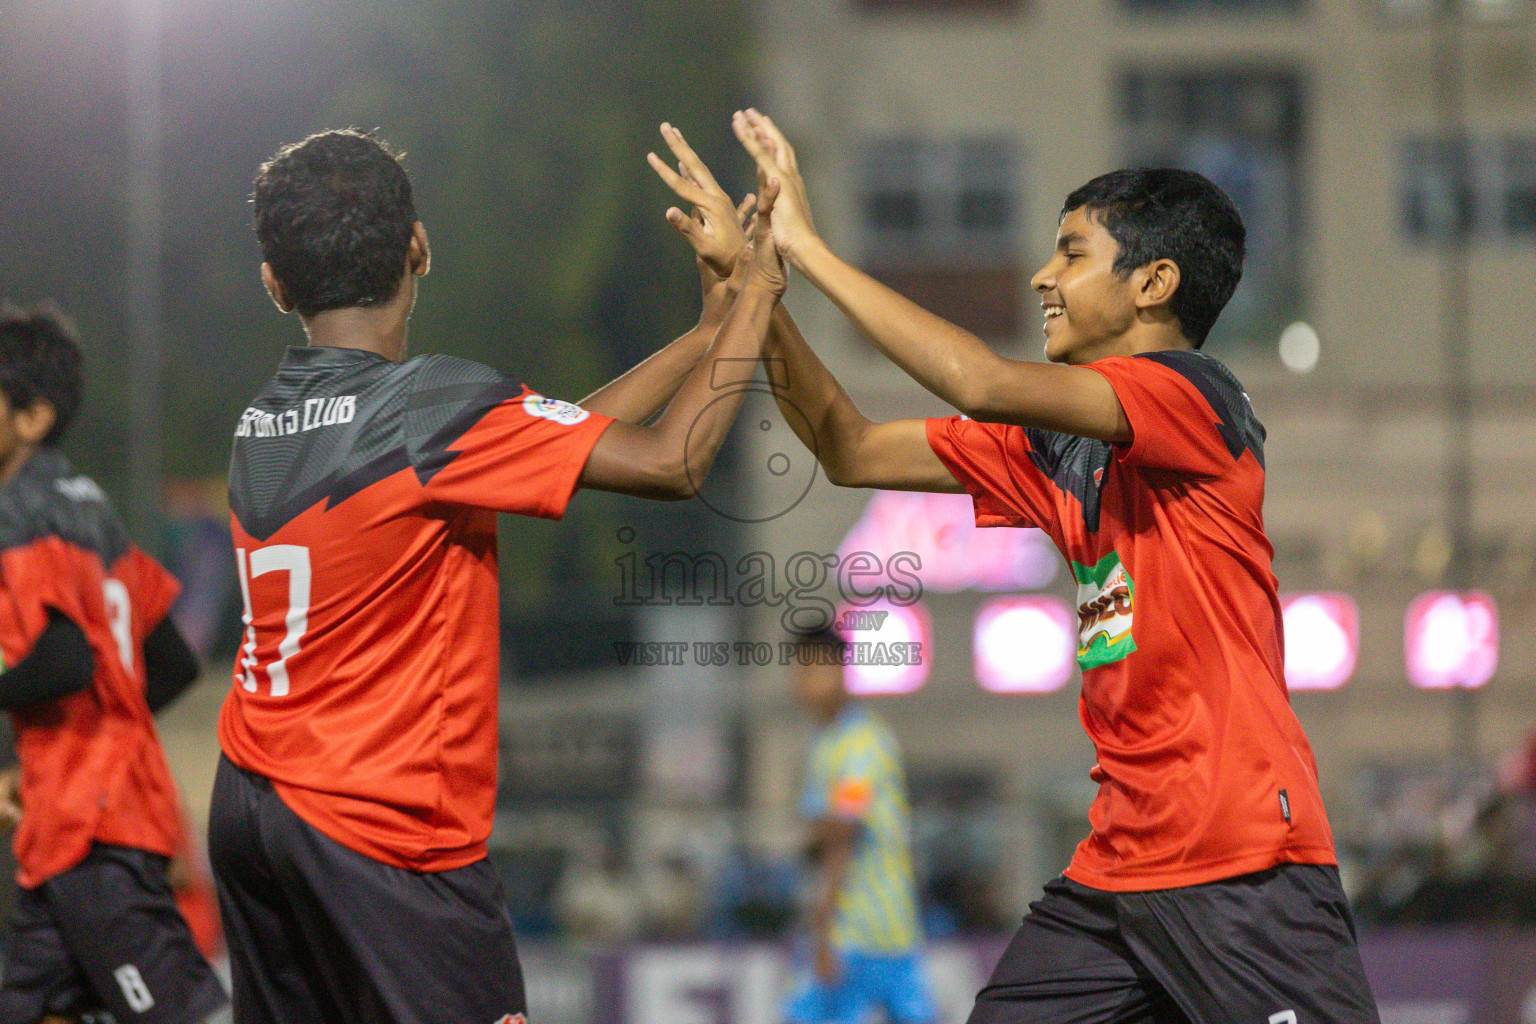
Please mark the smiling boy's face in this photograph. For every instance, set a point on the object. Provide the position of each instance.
(1088, 307)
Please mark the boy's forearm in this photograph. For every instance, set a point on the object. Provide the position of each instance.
(701, 414)
(639, 393)
(838, 851)
(811, 400)
(958, 367)
(645, 389)
(948, 361)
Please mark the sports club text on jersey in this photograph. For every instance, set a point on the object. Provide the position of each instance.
(312, 413)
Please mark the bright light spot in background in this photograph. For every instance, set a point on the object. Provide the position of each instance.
(1300, 348)
(1322, 640)
(1451, 640)
(1025, 644)
(902, 624)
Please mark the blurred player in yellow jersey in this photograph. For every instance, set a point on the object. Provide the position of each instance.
(867, 938)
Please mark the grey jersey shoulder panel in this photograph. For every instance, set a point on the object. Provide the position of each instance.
(1076, 465)
(1237, 423)
(48, 498)
(385, 417)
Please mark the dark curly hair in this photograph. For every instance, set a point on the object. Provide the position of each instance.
(334, 215)
(1168, 213)
(40, 361)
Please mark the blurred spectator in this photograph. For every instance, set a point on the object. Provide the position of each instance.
(1453, 847)
(199, 554)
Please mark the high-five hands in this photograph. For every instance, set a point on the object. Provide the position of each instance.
(761, 261)
(792, 227)
(714, 226)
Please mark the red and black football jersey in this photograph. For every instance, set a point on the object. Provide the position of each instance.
(363, 497)
(1204, 772)
(91, 763)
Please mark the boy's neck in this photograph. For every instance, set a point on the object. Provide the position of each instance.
(12, 461)
(381, 331)
(1135, 342)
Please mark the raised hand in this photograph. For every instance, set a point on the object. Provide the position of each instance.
(761, 260)
(713, 227)
(775, 157)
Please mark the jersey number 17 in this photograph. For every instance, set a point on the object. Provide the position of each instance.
(294, 560)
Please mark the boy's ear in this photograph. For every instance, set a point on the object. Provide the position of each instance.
(1155, 283)
(418, 258)
(33, 423)
(275, 289)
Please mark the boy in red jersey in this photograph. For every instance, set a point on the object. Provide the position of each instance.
(350, 814)
(1207, 890)
(83, 623)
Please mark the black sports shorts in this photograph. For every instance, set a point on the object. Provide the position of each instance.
(1275, 947)
(106, 935)
(320, 932)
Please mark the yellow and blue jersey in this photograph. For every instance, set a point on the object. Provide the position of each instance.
(854, 773)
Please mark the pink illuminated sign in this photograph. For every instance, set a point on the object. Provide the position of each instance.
(1451, 640)
(891, 645)
(934, 536)
(1025, 644)
(1322, 640)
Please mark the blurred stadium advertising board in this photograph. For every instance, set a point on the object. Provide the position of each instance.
(938, 531)
(1322, 640)
(1419, 975)
(1451, 640)
(1025, 644)
(891, 648)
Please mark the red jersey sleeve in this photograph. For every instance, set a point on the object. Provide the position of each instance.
(152, 590)
(1180, 414)
(993, 463)
(41, 575)
(524, 455)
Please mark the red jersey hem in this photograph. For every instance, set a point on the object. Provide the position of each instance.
(1204, 874)
(32, 879)
(429, 862)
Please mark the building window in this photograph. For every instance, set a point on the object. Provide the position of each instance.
(1243, 129)
(940, 224)
(1459, 188)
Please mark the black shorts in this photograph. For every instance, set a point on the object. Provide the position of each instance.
(106, 935)
(1276, 947)
(320, 932)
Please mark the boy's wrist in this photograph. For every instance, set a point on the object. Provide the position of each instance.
(809, 254)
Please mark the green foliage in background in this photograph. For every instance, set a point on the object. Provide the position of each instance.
(525, 126)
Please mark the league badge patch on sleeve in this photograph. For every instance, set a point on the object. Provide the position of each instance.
(563, 413)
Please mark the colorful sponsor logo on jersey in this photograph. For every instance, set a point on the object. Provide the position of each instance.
(513, 1018)
(554, 410)
(1106, 599)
